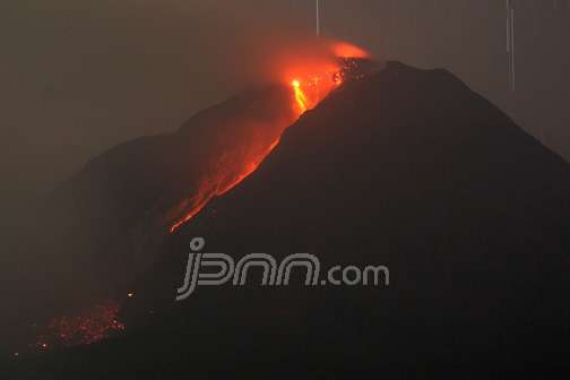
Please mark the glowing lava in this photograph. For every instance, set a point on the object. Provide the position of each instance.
(300, 98)
(203, 196)
(310, 80)
(238, 147)
(309, 92)
(88, 327)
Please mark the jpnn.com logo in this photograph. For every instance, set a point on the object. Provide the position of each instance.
(274, 273)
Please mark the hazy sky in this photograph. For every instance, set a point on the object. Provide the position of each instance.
(79, 77)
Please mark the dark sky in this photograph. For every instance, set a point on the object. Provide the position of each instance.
(79, 77)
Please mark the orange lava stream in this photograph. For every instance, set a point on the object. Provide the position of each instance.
(300, 96)
(250, 168)
(307, 93)
(205, 199)
(310, 82)
(197, 208)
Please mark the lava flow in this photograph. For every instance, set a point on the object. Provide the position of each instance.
(300, 96)
(309, 81)
(87, 327)
(308, 92)
(203, 197)
(232, 142)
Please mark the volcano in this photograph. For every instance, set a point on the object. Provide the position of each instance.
(402, 167)
(108, 221)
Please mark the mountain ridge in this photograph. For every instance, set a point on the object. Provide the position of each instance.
(406, 168)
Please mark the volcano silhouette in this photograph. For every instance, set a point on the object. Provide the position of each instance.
(405, 168)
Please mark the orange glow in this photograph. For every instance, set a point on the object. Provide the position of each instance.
(312, 83)
(300, 97)
(306, 80)
(314, 78)
(311, 76)
(195, 209)
(308, 93)
(203, 196)
(348, 50)
(249, 168)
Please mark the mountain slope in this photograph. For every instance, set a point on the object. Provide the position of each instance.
(404, 168)
(412, 170)
(89, 240)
